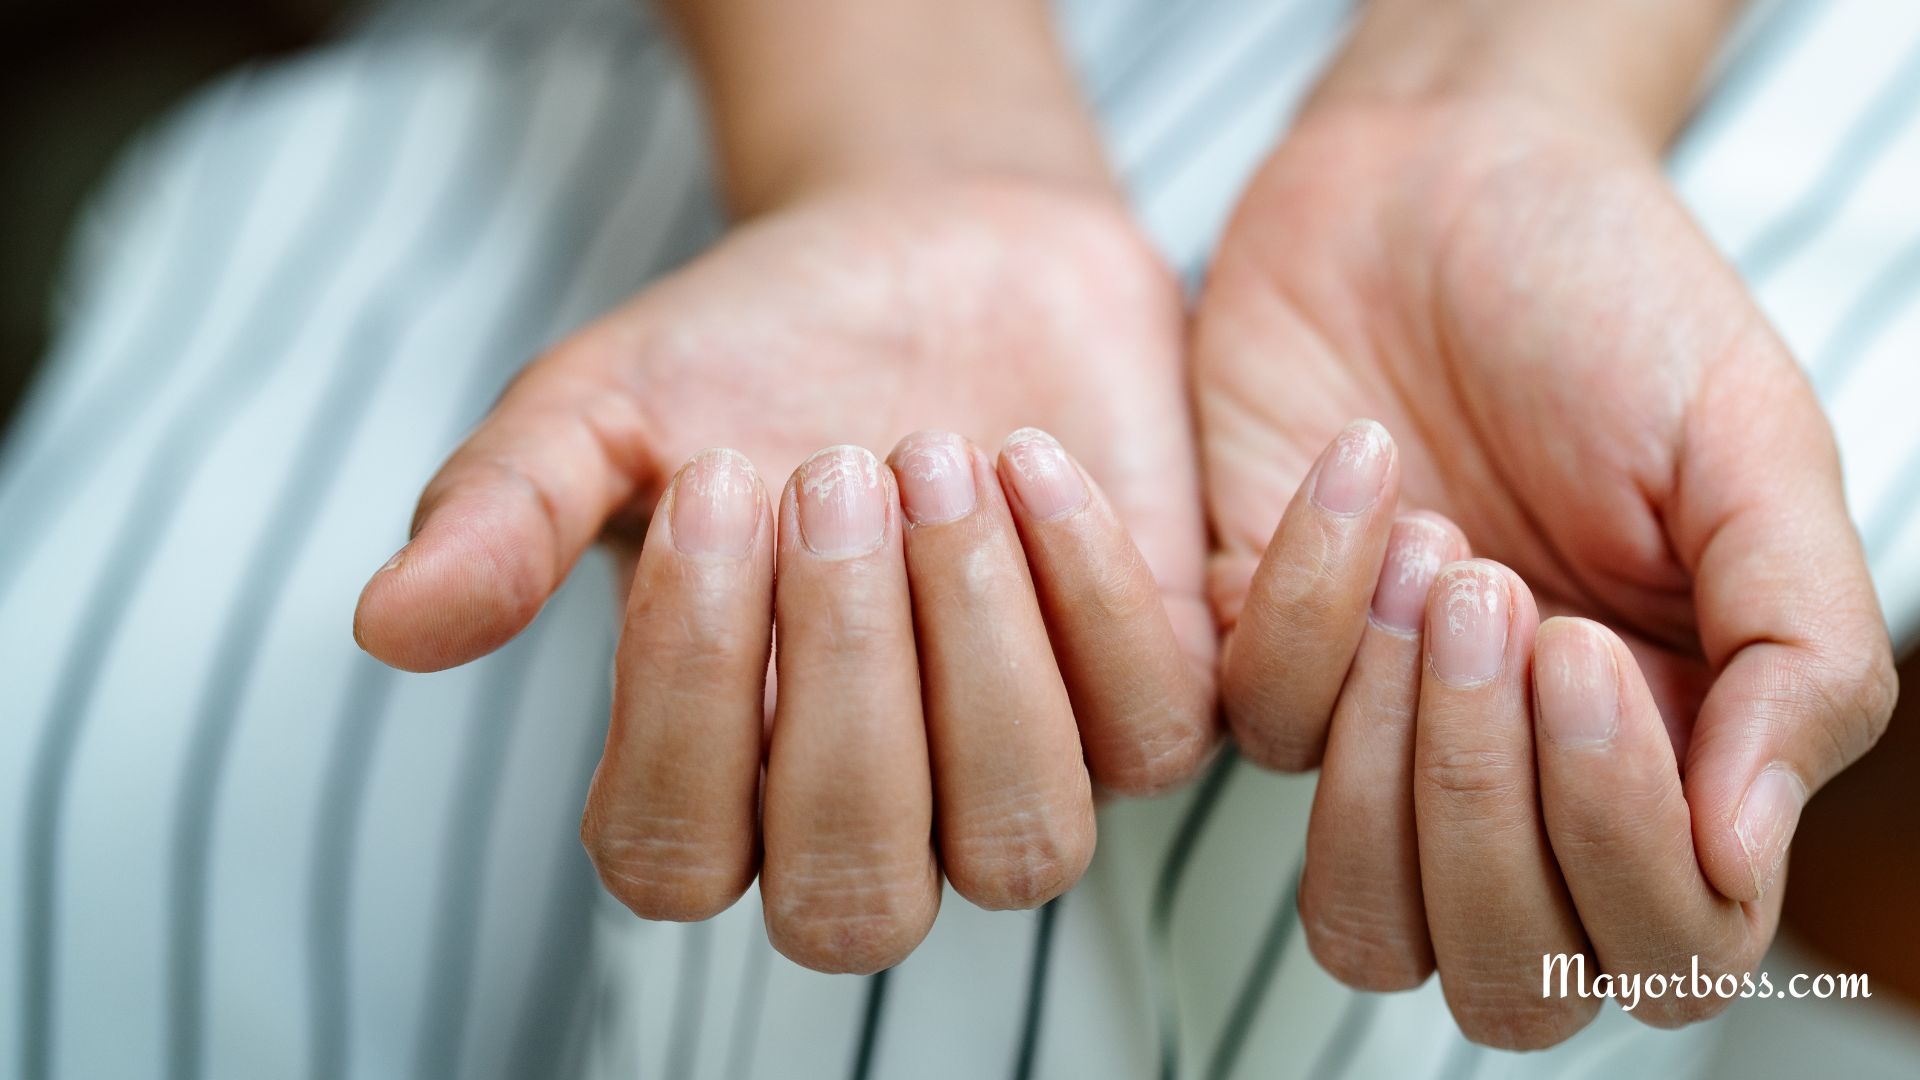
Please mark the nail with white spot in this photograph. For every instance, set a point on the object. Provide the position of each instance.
(1045, 480)
(935, 470)
(1467, 623)
(842, 502)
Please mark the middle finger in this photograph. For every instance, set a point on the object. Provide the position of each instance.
(850, 882)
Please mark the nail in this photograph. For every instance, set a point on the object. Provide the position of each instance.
(1576, 684)
(1467, 633)
(936, 477)
(1353, 469)
(1765, 824)
(716, 505)
(1415, 550)
(1043, 476)
(842, 503)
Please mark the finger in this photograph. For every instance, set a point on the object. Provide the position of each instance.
(507, 516)
(1805, 680)
(1307, 604)
(849, 882)
(672, 814)
(1360, 901)
(1495, 901)
(1622, 833)
(1144, 712)
(1014, 807)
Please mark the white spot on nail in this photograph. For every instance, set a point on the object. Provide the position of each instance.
(826, 470)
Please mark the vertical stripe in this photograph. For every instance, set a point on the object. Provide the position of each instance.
(690, 998)
(557, 1017)
(458, 226)
(1281, 46)
(753, 997)
(1153, 26)
(1867, 138)
(359, 171)
(603, 163)
(870, 1024)
(1258, 980)
(1872, 313)
(1765, 51)
(1166, 892)
(1897, 507)
(580, 211)
(170, 316)
(463, 857)
(1892, 293)
(446, 239)
(1462, 1061)
(182, 155)
(343, 787)
(1356, 1018)
(1029, 1044)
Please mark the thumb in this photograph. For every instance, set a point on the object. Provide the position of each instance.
(502, 523)
(1804, 677)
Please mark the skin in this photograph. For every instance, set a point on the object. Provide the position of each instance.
(1470, 241)
(868, 290)
(1438, 245)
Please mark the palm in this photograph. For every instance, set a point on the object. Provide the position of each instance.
(977, 309)
(1533, 318)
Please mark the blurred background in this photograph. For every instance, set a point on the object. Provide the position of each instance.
(77, 79)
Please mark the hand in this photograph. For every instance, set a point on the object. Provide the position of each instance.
(1584, 386)
(850, 316)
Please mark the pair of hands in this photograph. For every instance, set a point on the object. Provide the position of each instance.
(1572, 375)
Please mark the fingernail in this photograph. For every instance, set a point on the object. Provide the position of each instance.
(842, 503)
(1043, 477)
(936, 477)
(1467, 632)
(1765, 825)
(1352, 469)
(716, 505)
(1415, 550)
(1577, 686)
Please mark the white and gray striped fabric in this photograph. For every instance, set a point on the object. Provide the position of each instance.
(233, 846)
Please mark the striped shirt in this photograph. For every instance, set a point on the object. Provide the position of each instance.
(232, 845)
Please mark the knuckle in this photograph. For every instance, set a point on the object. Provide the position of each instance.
(1848, 694)
(1628, 828)
(1363, 948)
(1492, 779)
(699, 641)
(847, 915)
(1152, 763)
(1277, 737)
(1020, 857)
(1117, 596)
(1877, 690)
(857, 629)
(664, 869)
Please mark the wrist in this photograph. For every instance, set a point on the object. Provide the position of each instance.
(840, 93)
(1627, 68)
